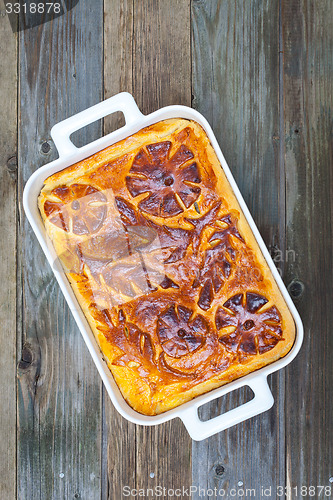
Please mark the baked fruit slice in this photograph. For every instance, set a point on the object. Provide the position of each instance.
(165, 266)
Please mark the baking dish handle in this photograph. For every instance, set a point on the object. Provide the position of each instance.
(262, 401)
(62, 131)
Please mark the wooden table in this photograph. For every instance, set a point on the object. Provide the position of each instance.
(260, 71)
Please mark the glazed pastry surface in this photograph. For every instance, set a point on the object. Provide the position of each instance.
(165, 266)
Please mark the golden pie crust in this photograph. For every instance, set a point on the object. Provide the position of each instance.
(165, 266)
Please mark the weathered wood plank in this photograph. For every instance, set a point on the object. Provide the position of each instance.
(8, 185)
(118, 55)
(162, 76)
(161, 54)
(59, 389)
(147, 54)
(308, 112)
(119, 435)
(236, 86)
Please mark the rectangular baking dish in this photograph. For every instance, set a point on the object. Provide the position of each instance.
(69, 154)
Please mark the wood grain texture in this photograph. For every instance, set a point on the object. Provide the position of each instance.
(8, 185)
(119, 435)
(308, 112)
(261, 73)
(161, 54)
(162, 76)
(236, 86)
(143, 56)
(59, 389)
(118, 52)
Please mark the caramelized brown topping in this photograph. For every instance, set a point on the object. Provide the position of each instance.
(81, 208)
(178, 334)
(201, 223)
(217, 261)
(253, 331)
(206, 295)
(136, 346)
(168, 283)
(254, 302)
(143, 278)
(176, 239)
(163, 177)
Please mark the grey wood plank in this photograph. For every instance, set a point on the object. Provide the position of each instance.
(161, 54)
(119, 435)
(308, 112)
(162, 76)
(147, 54)
(118, 53)
(59, 389)
(235, 53)
(8, 187)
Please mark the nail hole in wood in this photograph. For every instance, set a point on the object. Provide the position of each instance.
(45, 147)
(12, 163)
(219, 470)
(26, 358)
(296, 288)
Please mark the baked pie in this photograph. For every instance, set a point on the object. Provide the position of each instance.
(165, 266)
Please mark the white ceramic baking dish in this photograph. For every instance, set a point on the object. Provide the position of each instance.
(69, 154)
